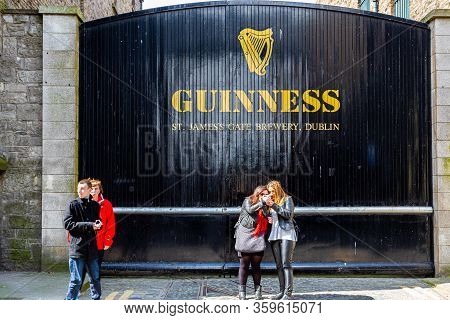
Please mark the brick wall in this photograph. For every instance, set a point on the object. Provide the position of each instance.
(21, 141)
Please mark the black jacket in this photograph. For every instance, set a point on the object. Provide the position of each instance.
(285, 214)
(79, 221)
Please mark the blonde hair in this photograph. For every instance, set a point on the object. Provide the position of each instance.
(279, 196)
(96, 183)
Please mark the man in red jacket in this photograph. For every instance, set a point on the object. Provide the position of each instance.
(106, 234)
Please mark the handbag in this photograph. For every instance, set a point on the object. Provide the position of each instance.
(247, 242)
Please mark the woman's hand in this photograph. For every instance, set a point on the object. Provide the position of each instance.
(269, 201)
(270, 220)
(264, 198)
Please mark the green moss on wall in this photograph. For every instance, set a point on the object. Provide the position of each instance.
(3, 5)
(445, 272)
(20, 255)
(18, 244)
(21, 222)
(446, 166)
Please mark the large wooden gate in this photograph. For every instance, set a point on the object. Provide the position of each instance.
(185, 109)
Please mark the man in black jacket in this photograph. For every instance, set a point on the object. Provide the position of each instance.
(82, 220)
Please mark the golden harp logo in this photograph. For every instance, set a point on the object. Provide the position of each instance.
(257, 48)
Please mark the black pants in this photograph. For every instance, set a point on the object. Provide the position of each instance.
(247, 259)
(283, 252)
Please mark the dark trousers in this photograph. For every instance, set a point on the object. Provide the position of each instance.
(101, 254)
(283, 251)
(247, 259)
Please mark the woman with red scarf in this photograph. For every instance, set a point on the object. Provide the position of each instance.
(251, 229)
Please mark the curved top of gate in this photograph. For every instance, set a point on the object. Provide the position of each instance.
(199, 5)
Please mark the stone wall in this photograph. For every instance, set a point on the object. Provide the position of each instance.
(418, 8)
(60, 126)
(340, 3)
(98, 9)
(34, 4)
(21, 140)
(35, 189)
(91, 9)
(439, 22)
(384, 6)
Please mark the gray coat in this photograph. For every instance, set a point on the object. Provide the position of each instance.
(249, 212)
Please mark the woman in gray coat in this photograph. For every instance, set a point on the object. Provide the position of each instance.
(251, 229)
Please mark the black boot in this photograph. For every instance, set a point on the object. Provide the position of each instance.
(281, 282)
(289, 276)
(242, 292)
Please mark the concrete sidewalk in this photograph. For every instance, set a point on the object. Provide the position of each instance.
(31, 286)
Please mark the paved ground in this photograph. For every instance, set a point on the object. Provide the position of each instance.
(29, 285)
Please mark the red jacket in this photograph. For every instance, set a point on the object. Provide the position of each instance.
(106, 234)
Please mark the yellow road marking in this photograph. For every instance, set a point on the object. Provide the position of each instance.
(112, 295)
(126, 294)
(85, 287)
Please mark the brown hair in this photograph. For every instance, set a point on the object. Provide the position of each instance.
(86, 182)
(279, 196)
(255, 196)
(97, 183)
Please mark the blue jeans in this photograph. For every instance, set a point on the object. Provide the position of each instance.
(101, 254)
(76, 267)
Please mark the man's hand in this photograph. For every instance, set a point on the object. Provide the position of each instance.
(106, 247)
(97, 225)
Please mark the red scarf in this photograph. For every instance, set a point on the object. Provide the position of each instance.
(261, 224)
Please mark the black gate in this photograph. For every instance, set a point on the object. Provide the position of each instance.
(185, 109)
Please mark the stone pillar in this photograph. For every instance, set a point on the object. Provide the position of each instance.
(439, 22)
(60, 128)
